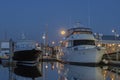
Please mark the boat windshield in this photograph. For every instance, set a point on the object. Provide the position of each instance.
(78, 31)
(83, 32)
(83, 42)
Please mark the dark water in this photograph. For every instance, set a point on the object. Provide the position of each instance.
(58, 71)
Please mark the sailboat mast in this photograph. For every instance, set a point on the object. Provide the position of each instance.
(89, 13)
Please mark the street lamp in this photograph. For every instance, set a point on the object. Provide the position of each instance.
(113, 30)
(44, 36)
(116, 48)
(44, 39)
(53, 42)
(63, 32)
(115, 33)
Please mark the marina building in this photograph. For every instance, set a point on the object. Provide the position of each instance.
(4, 49)
(110, 42)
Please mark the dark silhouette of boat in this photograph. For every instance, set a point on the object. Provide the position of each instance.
(28, 71)
(27, 55)
(0, 61)
(27, 50)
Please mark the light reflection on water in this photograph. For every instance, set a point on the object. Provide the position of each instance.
(58, 71)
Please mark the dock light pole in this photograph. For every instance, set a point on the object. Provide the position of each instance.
(116, 35)
(63, 33)
(53, 43)
(44, 39)
(114, 31)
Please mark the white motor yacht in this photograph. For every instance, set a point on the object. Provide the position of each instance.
(79, 46)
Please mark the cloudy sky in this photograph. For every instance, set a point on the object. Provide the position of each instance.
(34, 17)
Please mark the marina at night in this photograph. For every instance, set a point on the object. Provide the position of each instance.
(59, 40)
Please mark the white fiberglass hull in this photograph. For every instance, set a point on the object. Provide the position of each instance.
(90, 55)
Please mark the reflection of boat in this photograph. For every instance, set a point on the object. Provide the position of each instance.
(28, 71)
(79, 46)
(74, 72)
(111, 72)
(26, 50)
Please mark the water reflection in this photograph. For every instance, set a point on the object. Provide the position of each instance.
(75, 72)
(59, 71)
(29, 71)
(80, 72)
(111, 73)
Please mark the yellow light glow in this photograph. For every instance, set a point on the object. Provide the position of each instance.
(113, 44)
(99, 45)
(63, 32)
(119, 45)
(110, 45)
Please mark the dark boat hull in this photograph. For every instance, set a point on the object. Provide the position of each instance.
(0, 61)
(27, 55)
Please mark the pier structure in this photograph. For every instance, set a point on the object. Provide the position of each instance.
(4, 49)
(112, 47)
(110, 42)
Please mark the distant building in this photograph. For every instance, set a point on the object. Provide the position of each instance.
(4, 49)
(110, 42)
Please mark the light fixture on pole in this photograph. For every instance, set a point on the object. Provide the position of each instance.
(44, 47)
(63, 32)
(116, 48)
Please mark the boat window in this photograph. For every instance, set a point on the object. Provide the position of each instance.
(78, 32)
(66, 44)
(82, 32)
(69, 44)
(83, 42)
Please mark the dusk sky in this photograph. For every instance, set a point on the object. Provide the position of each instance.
(34, 17)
